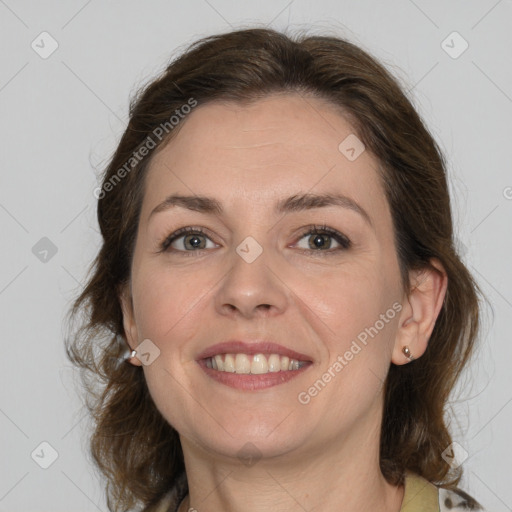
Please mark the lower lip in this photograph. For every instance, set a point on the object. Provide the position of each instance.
(250, 382)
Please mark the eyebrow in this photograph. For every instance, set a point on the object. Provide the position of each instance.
(295, 203)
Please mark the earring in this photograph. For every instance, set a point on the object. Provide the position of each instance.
(130, 355)
(407, 353)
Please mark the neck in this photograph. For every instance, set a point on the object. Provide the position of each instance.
(320, 478)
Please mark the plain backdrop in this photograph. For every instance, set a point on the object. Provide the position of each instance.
(61, 116)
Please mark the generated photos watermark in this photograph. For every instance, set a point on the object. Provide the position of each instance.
(143, 150)
(304, 397)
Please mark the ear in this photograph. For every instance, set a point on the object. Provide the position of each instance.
(130, 327)
(420, 311)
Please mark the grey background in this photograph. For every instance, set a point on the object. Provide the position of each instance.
(61, 117)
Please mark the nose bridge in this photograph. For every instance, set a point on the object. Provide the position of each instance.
(251, 280)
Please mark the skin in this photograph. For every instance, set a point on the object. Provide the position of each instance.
(312, 456)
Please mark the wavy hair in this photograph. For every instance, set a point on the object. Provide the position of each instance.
(133, 446)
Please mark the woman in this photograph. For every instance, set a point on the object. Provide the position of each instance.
(278, 258)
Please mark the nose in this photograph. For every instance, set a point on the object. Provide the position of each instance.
(251, 289)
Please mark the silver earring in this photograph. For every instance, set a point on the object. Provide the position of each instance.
(130, 355)
(407, 353)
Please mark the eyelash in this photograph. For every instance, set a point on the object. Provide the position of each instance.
(344, 242)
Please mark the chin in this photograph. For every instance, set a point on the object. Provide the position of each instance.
(249, 440)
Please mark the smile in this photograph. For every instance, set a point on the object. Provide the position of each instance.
(252, 372)
(256, 364)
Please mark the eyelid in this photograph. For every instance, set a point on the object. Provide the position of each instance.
(165, 242)
(344, 242)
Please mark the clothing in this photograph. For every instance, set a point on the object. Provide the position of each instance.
(422, 496)
(419, 496)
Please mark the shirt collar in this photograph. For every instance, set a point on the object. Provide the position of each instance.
(420, 495)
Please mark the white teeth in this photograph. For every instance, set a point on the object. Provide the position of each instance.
(229, 363)
(274, 363)
(257, 365)
(242, 364)
(219, 363)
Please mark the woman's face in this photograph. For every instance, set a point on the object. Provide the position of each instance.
(256, 275)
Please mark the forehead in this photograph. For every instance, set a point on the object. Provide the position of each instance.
(260, 152)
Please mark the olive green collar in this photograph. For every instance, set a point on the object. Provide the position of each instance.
(420, 495)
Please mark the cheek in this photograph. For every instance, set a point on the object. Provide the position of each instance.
(168, 311)
(351, 310)
(162, 300)
(343, 299)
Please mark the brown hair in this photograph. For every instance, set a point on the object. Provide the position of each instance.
(132, 444)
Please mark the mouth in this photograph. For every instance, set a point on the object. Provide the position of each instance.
(251, 366)
(257, 364)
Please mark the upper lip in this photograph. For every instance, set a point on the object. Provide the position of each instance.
(251, 348)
